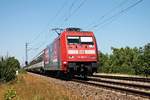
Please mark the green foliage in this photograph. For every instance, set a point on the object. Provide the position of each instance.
(10, 94)
(104, 62)
(126, 61)
(8, 67)
(144, 59)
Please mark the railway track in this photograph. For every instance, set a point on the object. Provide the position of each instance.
(135, 87)
(129, 78)
(130, 84)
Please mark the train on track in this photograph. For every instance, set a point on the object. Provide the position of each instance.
(73, 52)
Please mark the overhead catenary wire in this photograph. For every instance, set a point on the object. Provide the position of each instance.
(74, 11)
(43, 43)
(71, 7)
(59, 10)
(52, 19)
(80, 5)
(108, 13)
(106, 23)
(117, 14)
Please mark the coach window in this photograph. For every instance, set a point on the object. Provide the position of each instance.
(86, 40)
(73, 40)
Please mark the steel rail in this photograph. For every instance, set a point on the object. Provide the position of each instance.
(117, 87)
(119, 82)
(130, 78)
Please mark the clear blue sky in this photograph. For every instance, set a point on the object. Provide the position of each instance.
(30, 21)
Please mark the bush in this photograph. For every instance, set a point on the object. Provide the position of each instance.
(8, 67)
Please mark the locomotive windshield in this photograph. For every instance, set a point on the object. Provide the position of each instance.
(73, 40)
(86, 40)
(80, 40)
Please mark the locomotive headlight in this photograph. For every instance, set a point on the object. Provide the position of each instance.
(91, 46)
(64, 62)
(70, 57)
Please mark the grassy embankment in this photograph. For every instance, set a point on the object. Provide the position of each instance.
(28, 87)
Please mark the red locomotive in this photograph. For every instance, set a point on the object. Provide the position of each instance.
(73, 52)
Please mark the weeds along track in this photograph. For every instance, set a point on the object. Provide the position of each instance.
(137, 87)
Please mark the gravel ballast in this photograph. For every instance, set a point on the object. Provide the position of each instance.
(90, 92)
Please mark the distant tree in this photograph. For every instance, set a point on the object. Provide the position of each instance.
(144, 59)
(137, 62)
(126, 60)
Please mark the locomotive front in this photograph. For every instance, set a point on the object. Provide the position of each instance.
(81, 56)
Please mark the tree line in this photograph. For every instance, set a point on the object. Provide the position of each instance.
(8, 68)
(134, 61)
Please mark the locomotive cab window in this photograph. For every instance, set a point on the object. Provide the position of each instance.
(86, 40)
(73, 40)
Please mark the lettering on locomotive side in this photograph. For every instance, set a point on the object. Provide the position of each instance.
(90, 52)
(73, 52)
(81, 52)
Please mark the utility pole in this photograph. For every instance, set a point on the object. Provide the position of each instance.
(26, 51)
